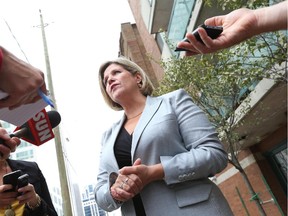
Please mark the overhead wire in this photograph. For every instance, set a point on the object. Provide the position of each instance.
(16, 40)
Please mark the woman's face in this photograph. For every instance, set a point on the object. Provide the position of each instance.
(120, 83)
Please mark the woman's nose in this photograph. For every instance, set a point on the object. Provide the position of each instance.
(110, 80)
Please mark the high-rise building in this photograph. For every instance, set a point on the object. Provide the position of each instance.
(56, 197)
(89, 203)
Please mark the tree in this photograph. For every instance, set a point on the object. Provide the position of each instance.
(220, 84)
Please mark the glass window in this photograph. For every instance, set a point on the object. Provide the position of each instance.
(179, 20)
(160, 38)
(278, 160)
(281, 160)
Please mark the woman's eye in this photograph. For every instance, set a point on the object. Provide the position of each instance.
(105, 82)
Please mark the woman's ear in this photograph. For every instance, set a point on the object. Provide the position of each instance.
(138, 78)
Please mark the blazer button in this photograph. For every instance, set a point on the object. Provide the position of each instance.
(185, 177)
(190, 175)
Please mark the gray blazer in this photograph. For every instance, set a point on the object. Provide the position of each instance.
(172, 131)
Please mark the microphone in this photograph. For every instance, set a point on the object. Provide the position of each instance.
(38, 129)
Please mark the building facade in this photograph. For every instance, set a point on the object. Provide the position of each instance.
(265, 160)
(132, 46)
(89, 204)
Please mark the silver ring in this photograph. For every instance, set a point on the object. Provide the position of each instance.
(126, 180)
(121, 186)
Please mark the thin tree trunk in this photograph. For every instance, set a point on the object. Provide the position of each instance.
(251, 190)
(238, 166)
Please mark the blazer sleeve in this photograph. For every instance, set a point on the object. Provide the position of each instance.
(107, 175)
(39, 182)
(205, 155)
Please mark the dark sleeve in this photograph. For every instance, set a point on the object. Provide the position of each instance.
(46, 207)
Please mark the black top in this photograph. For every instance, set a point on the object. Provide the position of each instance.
(122, 151)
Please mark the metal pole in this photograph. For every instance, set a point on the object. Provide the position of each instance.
(67, 210)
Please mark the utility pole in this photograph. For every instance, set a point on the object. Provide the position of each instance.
(67, 210)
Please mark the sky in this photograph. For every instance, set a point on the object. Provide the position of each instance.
(80, 36)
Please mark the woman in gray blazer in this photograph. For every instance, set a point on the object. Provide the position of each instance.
(157, 159)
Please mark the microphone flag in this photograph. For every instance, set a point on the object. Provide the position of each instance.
(39, 129)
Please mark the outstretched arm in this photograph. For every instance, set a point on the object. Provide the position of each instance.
(238, 26)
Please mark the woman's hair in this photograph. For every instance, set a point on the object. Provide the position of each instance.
(146, 87)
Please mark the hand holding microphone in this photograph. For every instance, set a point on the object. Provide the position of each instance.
(9, 144)
(36, 131)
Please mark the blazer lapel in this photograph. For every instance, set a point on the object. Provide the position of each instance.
(151, 107)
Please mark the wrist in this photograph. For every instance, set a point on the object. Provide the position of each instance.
(156, 172)
(268, 20)
(35, 203)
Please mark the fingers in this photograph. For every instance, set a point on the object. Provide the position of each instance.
(4, 134)
(215, 21)
(132, 184)
(123, 183)
(126, 187)
(44, 89)
(131, 169)
(27, 99)
(192, 46)
(196, 47)
(8, 144)
(20, 81)
(137, 162)
(6, 198)
(28, 194)
(32, 97)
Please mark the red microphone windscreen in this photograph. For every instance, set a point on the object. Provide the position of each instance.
(39, 128)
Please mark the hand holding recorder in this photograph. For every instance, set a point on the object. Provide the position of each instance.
(211, 31)
(238, 26)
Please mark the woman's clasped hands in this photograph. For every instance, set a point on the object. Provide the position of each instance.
(126, 185)
(130, 181)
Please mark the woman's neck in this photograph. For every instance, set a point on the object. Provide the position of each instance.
(134, 108)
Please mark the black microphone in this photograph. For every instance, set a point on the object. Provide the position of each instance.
(25, 131)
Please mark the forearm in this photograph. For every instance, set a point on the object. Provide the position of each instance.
(271, 18)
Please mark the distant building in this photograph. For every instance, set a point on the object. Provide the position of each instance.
(56, 197)
(76, 200)
(89, 204)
